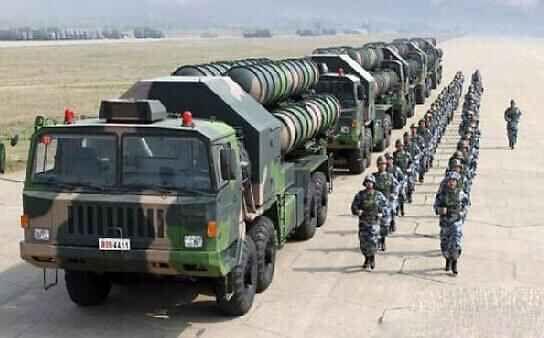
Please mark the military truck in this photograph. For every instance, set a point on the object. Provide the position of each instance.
(364, 125)
(181, 176)
(392, 77)
(434, 59)
(417, 61)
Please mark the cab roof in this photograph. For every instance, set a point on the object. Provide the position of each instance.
(212, 130)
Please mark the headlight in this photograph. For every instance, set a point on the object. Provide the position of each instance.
(41, 234)
(193, 242)
(345, 130)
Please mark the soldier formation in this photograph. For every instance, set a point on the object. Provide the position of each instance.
(453, 196)
(387, 190)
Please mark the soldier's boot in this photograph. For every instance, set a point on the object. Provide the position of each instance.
(365, 264)
(402, 209)
(372, 262)
(383, 244)
(392, 227)
(448, 265)
(454, 266)
(421, 178)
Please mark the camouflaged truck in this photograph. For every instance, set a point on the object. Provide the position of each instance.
(364, 124)
(142, 190)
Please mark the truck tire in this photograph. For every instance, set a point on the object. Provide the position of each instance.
(357, 162)
(2, 158)
(428, 88)
(399, 120)
(420, 95)
(380, 146)
(243, 281)
(87, 288)
(322, 197)
(263, 234)
(308, 227)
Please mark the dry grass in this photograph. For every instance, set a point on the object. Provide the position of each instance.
(44, 80)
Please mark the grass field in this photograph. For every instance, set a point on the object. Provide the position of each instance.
(44, 80)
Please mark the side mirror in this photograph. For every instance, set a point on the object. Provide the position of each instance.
(227, 157)
(14, 140)
(360, 93)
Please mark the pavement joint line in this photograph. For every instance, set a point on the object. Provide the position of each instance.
(11, 180)
(388, 309)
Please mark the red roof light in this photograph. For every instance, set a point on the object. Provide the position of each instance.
(187, 119)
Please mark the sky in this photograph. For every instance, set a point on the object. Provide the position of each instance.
(483, 15)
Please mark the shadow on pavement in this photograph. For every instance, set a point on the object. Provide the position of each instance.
(135, 310)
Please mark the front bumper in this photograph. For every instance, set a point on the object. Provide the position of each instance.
(159, 262)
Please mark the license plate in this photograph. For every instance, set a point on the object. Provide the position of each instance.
(114, 244)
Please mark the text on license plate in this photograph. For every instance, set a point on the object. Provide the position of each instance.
(114, 244)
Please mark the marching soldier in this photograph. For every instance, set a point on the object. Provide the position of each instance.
(369, 205)
(512, 115)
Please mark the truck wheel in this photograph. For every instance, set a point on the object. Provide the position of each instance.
(357, 162)
(243, 283)
(322, 197)
(263, 234)
(399, 120)
(308, 227)
(87, 288)
(420, 95)
(2, 158)
(428, 88)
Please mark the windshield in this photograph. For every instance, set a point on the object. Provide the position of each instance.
(343, 90)
(165, 162)
(75, 160)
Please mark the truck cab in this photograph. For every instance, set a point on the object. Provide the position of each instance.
(145, 190)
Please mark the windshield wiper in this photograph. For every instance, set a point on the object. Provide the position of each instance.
(72, 186)
(164, 189)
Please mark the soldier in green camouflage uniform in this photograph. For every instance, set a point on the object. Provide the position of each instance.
(400, 196)
(512, 115)
(450, 204)
(369, 205)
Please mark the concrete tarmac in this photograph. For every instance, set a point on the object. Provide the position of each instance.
(319, 288)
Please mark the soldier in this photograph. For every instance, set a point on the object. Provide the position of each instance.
(418, 140)
(512, 116)
(400, 193)
(403, 160)
(388, 186)
(415, 154)
(369, 205)
(450, 204)
(427, 137)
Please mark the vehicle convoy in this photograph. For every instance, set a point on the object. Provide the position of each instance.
(430, 75)
(143, 189)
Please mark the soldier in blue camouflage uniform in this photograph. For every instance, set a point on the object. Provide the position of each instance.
(400, 195)
(418, 141)
(415, 153)
(403, 159)
(427, 137)
(450, 204)
(512, 115)
(388, 186)
(369, 205)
